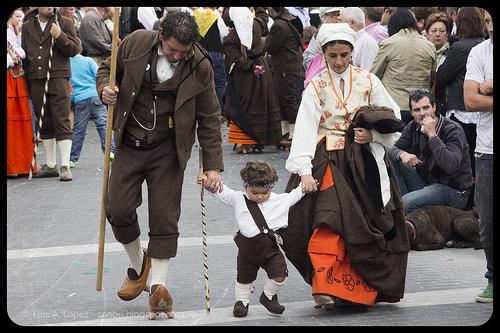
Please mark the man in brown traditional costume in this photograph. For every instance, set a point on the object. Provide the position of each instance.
(165, 89)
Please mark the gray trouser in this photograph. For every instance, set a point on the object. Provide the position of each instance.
(483, 200)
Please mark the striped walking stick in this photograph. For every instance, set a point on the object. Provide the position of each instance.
(44, 101)
(107, 149)
(204, 234)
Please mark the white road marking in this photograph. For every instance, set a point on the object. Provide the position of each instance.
(108, 247)
(258, 312)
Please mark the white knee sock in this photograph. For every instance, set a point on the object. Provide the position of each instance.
(242, 292)
(65, 150)
(272, 287)
(159, 269)
(285, 127)
(135, 254)
(292, 129)
(49, 147)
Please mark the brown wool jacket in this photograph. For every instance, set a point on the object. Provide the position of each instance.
(37, 45)
(196, 108)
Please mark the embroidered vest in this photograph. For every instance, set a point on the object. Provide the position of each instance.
(337, 114)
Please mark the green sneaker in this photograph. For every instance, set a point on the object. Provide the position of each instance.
(72, 165)
(487, 295)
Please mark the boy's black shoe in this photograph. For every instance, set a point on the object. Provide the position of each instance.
(272, 305)
(239, 310)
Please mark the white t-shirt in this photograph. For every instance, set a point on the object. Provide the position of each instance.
(480, 69)
(275, 210)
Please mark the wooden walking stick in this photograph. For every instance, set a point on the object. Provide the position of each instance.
(105, 172)
(44, 101)
(204, 235)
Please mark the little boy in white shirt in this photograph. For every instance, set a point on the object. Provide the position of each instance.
(257, 246)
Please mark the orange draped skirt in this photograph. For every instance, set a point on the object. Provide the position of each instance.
(20, 143)
(333, 273)
(236, 135)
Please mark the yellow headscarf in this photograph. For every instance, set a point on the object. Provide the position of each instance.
(205, 18)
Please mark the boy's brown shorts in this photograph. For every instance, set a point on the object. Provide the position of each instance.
(255, 252)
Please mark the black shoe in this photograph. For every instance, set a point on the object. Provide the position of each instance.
(272, 305)
(239, 310)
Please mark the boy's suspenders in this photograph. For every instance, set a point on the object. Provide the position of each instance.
(260, 221)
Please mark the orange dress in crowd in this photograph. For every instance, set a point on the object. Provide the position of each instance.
(333, 273)
(236, 135)
(20, 143)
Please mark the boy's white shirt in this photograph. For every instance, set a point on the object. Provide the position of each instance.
(275, 210)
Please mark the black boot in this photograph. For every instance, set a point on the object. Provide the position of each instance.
(272, 305)
(239, 310)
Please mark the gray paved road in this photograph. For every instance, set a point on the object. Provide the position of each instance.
(52, 235)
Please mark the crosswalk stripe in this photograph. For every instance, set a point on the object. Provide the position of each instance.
(108, 247)
(258, 312)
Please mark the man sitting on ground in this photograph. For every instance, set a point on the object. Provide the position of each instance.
(431, 158)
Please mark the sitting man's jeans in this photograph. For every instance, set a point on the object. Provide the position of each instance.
(417, 193)
(90, 108)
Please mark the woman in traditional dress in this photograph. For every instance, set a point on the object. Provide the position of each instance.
(250, 99)
(20, 143)
(347, 236)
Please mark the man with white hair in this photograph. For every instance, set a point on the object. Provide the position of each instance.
(366, 47)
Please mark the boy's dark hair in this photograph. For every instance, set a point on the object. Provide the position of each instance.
(180, 25)
(258, 174)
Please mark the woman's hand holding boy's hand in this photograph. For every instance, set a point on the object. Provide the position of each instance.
(309, 184)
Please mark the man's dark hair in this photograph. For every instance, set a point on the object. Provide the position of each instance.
(402, 18)
(470, 23)
(259, 173)
(423, 12)
(374, 13)
(417, 94)
(180, 25)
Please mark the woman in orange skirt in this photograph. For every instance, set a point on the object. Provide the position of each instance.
(20, 143)
(347, 236)
(251, 102)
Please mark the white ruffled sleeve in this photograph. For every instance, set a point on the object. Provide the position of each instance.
(305, 133)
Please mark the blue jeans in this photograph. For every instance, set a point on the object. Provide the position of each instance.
(90, 108)
(417, 193)
(219, 76)
(483, 199)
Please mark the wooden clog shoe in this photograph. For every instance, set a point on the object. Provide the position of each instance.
(133, 285)
(160, 301)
